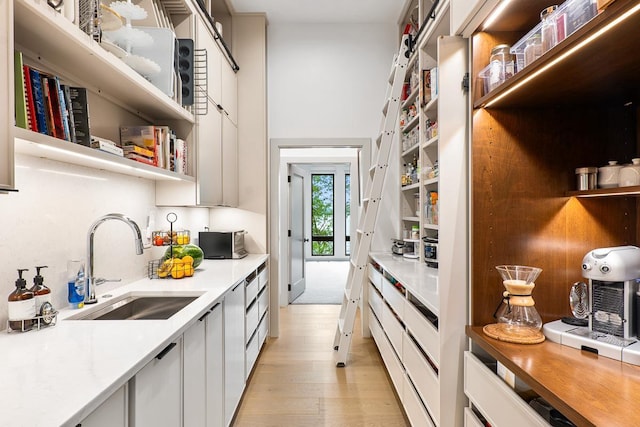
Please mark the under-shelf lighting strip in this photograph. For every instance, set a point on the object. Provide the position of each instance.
(568, 53)
(107, 162)
(496, 14)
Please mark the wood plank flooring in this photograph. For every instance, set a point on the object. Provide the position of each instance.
(297, 384)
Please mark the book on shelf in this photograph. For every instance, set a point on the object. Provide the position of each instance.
(48, 111)
(132, 148)
(31, 109)
(64, 111)
(142, 136)
(67, 100)
(38, 101)
(21, 109)
(180, 155)
(106, 146)
(80, 112)
(141, 159)
(53, 84)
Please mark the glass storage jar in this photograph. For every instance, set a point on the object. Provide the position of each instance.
(549, 29)
(533, 49)
(500, 65)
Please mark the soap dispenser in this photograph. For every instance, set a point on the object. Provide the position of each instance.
(41, 293)
(21, 307)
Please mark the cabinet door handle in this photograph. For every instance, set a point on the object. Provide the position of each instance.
(214, 307)
(166, 351)
(204, 316)
(237, 286)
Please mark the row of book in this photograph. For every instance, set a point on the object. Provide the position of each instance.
(46, 106)
(154, 145)
(43, 104)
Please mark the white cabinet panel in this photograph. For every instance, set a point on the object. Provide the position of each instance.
(416, 413)
(229, 162)
(263, 329)
(498, 402)
(467, 15)
(263, 302)
(229, 91)
(393, 328)
(251, 290)
(375, 301)
(394, 297)
(253, 349)
(391, 362)
(422, 375)
(263, 277)
(204, 40)
(194, 382)
(423, 331)
(234, 349)
(251, 320)
(215, 367)
(156, 390)
(470, 419)
(112, 412)
(375, 277)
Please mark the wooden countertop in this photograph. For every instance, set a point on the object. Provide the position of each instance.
(588, 389)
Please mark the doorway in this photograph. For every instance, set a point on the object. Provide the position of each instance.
(322, 191)
(290, 151)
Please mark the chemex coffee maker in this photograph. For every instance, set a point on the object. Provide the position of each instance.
(609, 303)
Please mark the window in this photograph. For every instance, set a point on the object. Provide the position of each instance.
(322, 220)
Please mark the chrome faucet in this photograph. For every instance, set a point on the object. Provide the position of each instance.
(90, 281)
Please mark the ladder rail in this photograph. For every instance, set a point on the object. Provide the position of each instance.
(369, 212)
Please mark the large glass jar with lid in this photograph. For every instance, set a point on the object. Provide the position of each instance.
(533, 49)
(501, 65)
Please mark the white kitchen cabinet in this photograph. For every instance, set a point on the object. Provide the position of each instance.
(229, 91)
(156, 390)
(216, 152)
(215, 367)
(467, 15)
(111, 413)
(234, 349)
(194, 366)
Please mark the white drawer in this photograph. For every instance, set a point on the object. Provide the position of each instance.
(253, 349)
(497, 402)
(470, 419)
(251, 291)
(425, 379)
(375, 301)
(416, 413)
(263, 329)
(423, 331)
(263, 302)
(394, 297)
(263, 278)
(251, 322)
(375, 277)
(392, 328)
(391, 362)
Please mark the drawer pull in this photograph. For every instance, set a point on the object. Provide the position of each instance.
(166, 351)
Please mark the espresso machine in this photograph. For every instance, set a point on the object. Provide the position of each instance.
(611, 306)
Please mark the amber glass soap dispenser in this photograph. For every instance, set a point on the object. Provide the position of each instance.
(41, 292)
(22, 308)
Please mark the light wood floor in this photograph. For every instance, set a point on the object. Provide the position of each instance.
(297, 384)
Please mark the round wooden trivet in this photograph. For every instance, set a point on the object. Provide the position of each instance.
(509, 333)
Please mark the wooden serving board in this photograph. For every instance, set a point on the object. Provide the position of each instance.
(509, 333)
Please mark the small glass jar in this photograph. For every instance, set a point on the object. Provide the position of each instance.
(501, 65)
(549, 30)
(533, 49)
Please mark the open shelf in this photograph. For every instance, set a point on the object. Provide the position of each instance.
(39, 145)
(51, 38)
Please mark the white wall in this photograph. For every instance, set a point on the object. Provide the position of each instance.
(46, 223)
(327, 80)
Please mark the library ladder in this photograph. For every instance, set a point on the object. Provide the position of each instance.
(370, 204)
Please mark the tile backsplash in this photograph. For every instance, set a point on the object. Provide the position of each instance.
(47, 220)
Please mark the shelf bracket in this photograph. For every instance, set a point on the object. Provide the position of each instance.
(465, 82)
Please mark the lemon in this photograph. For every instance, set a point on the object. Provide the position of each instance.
(187, 259)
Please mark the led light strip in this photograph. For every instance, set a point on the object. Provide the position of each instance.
(568, 53)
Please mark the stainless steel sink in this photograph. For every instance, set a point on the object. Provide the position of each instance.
(138, 307)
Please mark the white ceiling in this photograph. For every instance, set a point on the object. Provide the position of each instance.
(324, 11)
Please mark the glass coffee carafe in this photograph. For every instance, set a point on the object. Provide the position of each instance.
(518, 307)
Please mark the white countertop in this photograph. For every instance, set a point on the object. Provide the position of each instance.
(420, 280)
(58, 375)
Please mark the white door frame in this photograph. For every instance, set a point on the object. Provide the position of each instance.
(278, 207)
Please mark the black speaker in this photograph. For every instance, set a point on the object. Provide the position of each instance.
(184, 62)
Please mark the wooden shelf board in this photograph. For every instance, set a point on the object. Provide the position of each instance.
(588, 389)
